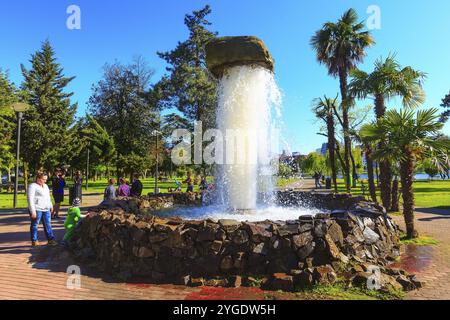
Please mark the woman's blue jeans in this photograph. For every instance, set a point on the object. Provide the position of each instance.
(45, 216)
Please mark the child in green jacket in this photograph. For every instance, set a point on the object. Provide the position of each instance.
(73, 217)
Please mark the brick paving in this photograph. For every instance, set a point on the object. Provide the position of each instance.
(28, 273)
(25, 272)
(430, 263)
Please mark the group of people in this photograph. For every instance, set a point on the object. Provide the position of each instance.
(41, 208)
(58, 185)
(124, 189)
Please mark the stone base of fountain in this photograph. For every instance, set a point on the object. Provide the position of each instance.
(350, 243)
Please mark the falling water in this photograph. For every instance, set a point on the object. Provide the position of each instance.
(249, 100)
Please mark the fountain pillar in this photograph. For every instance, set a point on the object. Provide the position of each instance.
(244, 67)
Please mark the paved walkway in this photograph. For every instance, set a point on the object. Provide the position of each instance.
(29, 273)
(430, 263)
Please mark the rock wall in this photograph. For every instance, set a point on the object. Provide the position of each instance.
(302, 252)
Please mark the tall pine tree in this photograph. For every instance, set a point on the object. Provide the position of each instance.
(188, 86)
(446, 105)
(90, 134)
(7, 122)
(46, 125)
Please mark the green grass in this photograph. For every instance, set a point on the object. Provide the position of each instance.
(340, 291)
(97, 187)
(420, 241)
(282, 182)
(427, 194)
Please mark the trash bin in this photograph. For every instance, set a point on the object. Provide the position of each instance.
(75, 191)
(328, 183)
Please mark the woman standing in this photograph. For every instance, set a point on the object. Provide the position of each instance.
(40, 206)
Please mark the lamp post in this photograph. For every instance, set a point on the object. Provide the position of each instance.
(87, 165)
(156, 133)
(19, 109)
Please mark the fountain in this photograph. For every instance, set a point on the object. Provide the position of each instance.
(247, 96)
(248, 114)
(308, 239)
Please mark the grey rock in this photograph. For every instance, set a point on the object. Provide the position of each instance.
(370, 236)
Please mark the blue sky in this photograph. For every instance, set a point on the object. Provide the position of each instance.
(416, 30)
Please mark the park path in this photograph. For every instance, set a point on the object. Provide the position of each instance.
(430, 263)
(26, 273)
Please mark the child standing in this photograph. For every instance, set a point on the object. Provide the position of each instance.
(73, 217)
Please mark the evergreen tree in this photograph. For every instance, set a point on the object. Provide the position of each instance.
(446, 105)
(122, 102)
(90, 134)
(189, 87)
(7, 122)
(46, 125)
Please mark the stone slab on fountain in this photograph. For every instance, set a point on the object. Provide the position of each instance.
(226, 52)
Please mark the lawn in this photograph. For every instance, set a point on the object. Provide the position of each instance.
(97, 187)
(428, 194)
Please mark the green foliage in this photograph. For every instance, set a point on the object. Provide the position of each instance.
(46, 125)
(389, 80)
(429, 168)
(406, 130)
(314, 162)
(446, 105)
(132, 163)
(284, 170)
(88, 133)
(188, 87)
(7, 121)
(123, 104)
(341, 46)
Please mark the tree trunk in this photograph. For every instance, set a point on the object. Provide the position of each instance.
(394, 202)
(385, 184)
(331, 150)
(385, 166)
(345, 122)
(354, 174)
(370, 176)
(341, 161)
(9, 188)
(25, 176)
(406, 173)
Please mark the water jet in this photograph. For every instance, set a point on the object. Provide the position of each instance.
(247, 96)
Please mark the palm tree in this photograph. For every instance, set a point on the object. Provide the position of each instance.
(408, 138)
(341, 46)
(324, 109)
(388, 80)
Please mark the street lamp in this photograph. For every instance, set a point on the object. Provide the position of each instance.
(156, 133)
(19, 108)
(87, 165)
